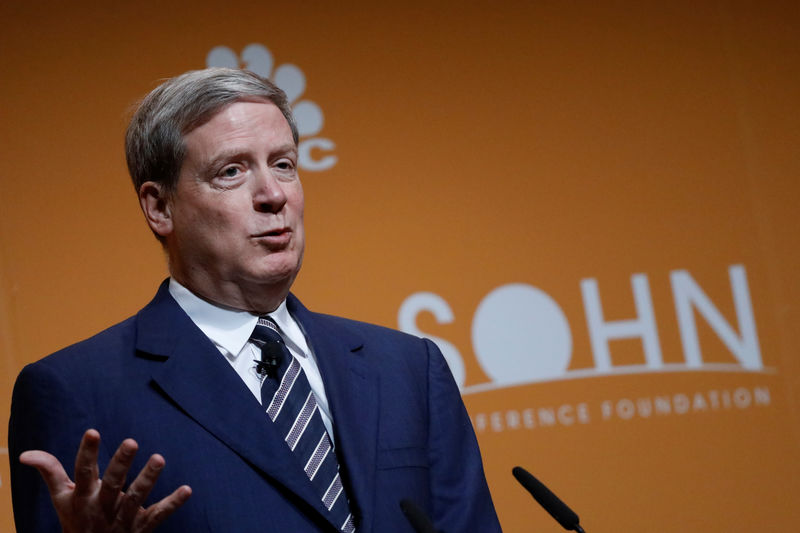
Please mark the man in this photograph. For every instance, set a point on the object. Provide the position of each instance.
(196, 375)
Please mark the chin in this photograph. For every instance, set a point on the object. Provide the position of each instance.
(277, 274)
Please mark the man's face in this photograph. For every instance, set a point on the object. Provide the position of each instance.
(237, 211)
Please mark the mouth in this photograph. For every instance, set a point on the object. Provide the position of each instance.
(274, 239)
(274, 232)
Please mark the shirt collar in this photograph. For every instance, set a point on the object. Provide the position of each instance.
(230, 329)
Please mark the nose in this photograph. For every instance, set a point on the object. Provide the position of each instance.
(268, 196)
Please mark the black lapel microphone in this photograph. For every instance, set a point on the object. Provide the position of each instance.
(271, 357)
(416, 517)
(551, 503)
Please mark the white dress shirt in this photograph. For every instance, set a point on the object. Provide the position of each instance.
(230, 331)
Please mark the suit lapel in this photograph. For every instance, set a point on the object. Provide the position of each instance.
(198, 379)
(351, 385)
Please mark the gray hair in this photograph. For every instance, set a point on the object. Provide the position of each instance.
(154, 142)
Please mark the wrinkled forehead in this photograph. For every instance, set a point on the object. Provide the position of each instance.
(240, 130)
(204, 117)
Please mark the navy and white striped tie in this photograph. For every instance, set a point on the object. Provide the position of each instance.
(291, 405)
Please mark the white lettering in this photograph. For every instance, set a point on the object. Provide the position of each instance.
(713, 396)
(601, 331)
(699, 403)
(625, 409)
(583, 413)
(528, 418)
(683, 403)
(742, 398)
(644, 407)
(497, 421)
(565, 415)
(688, 296)
(436, 305)
(680, 404)
(512, 419)
(305, 159)
(546, 416)
(606, 409)
(663, 405)
(762, 395)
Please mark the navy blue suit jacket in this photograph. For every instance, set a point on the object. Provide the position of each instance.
(400, 427)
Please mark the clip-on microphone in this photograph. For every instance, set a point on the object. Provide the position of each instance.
(271, 356)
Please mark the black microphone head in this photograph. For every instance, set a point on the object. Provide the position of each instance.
(416, 516)
(551, 503)
(271, 351)
(271, 356)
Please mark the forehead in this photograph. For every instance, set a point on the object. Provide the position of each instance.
(241, 123)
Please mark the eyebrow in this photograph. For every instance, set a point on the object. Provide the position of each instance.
(210, 165)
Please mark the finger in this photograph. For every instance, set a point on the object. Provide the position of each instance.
(138, 491)
(86, 471)
(159, 511)
(51, 470)
(114, 477)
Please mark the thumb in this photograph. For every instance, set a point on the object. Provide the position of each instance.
(49, 468)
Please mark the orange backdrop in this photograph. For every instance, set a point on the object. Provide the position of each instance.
(590, 206)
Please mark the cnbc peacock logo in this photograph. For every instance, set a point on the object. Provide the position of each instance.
(315, 153)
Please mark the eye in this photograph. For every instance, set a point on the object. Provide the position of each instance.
(230, 172)
(285, 164)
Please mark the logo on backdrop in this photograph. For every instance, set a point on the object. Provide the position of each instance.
(520, 336)
(314, 153)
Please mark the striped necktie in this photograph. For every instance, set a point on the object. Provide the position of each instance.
(292, 407)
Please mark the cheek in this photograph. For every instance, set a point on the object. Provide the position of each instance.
(217, 219)
(221, 217)
(295, 198)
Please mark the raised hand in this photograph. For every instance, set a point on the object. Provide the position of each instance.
(92, 505)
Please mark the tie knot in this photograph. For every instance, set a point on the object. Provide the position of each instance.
(274, 355)
(266, 330)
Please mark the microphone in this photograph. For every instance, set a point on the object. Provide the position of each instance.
(551, 503)
(416, 516)
(271, 356)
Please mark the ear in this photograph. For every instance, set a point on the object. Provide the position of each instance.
(156, 208)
